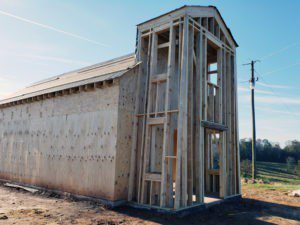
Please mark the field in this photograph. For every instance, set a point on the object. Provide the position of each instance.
(276, 176)
(262, 204)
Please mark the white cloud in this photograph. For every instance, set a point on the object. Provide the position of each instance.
(244, 89)
(53, 58)
(277, 100)
(12, 3)
(280, 50)
(274, 85)
(7, 86)
(52, 28)
(271, 99)
(282, 68)
(278, 111)
(276, 128)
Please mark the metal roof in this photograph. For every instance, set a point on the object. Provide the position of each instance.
(107, 70)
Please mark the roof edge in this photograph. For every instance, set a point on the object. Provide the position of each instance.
(108, 76)
(76, 84)
(93, 66)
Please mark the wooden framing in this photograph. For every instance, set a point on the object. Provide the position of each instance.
(189, 109)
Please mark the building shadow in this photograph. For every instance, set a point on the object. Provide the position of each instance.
(242, 212)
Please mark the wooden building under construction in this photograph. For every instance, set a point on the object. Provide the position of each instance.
(158, 128)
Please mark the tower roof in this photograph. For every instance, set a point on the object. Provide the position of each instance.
(195, 11)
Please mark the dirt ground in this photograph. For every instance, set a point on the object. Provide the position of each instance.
(20, 207)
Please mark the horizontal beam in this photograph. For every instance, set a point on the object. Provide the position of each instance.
(213, 126)
(159, 78)
(212, 72)
(156, 121)
(164, 45)
(153, 176)
(158, 113)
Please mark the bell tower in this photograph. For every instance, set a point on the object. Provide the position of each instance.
(185, 133)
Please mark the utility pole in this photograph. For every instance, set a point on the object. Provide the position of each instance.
(252, 88)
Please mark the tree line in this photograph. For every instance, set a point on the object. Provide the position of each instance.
(270, 152)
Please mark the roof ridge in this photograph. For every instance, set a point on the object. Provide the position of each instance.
(93, 66)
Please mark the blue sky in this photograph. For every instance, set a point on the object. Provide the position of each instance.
(44, 38)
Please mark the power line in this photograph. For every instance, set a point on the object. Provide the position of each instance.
(282, 68)
(279, 97)
(279, 51)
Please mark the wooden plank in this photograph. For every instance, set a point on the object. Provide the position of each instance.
(156, 121)
(213, 172)
(159, 78)
(224, 87)
(155, 98)
(153, 68)
(199, 163)
(232, 132)
(203, 112)
(140, 168)
(190, 132)
(229, 134)
(167, 136)
(214, 126)
(222, 163)
(164, 45)
(153, 177)
(212, 72)
(238, 178)
(181, 164)
(197, 117)
(212, 25)
(151, 191)
(234, 127)
(223, 190)
(159, 113)
(176, 86)
(204, 78)
(170, 157)
(219, 81)
(194, 58)
(210, 103)
(152, 153)
(207, 160)
(31, 190)
(133, 156)
(174, 98)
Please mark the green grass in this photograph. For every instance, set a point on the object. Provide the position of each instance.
(276, 176)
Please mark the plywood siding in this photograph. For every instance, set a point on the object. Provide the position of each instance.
(128, 83)
(65, 143)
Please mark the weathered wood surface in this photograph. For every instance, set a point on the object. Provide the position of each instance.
(66, 143)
